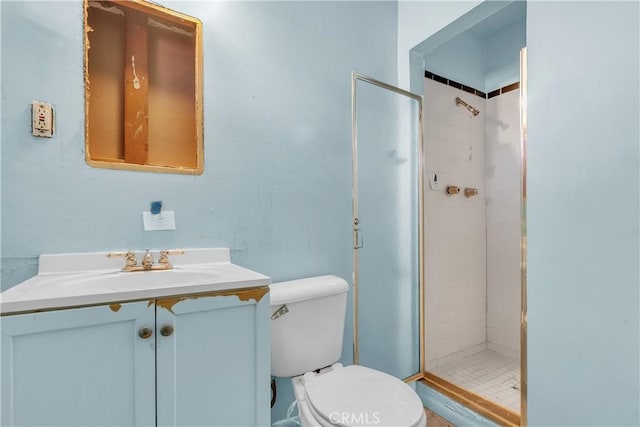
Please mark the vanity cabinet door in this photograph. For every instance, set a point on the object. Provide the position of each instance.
(79, 367)
(213, 365)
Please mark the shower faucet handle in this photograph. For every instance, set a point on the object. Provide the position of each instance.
(451, 190)
(470, 192)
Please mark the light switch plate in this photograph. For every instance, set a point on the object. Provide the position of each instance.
(42, 119)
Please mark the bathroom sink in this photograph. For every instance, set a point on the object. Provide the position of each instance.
(114, 280)
(57, 285)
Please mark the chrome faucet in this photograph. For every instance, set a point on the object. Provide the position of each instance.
(131, 263)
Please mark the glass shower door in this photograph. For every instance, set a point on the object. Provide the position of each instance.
(387, 228)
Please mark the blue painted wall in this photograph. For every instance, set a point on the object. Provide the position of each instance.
(276, 187)
(486, 57)
(502, 55)
(277, 107)
(460, 59)
(1, 91)
(277, 182)
(583, 213)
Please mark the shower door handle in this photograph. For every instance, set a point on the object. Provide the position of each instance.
(358, 242)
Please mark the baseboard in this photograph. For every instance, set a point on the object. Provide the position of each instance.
(452, 411)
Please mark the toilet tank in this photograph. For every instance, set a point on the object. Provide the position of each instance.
(307, 324)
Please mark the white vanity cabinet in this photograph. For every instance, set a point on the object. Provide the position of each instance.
(173, 361)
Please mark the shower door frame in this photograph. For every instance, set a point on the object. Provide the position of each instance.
(355, 77)
(524, 81)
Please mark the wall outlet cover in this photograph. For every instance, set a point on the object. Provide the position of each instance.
(42, 119)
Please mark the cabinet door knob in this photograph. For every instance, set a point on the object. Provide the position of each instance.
(145, 332)
(166, 330)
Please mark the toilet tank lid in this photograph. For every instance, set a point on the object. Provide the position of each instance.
(305, 289)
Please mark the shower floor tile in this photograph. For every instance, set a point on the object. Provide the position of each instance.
(492, 375)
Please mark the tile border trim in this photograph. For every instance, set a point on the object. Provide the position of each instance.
(503, 90)
(469, 89)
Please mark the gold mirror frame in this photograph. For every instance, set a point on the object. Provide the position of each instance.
(155, 10)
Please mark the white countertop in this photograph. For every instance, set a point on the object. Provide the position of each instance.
(71, 280)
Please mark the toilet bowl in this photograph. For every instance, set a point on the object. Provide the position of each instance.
(306, 342)
(356, 396)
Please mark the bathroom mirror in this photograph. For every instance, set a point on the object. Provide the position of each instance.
(387, 153)
(143, 88)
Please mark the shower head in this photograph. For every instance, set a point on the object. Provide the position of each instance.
(470, 108)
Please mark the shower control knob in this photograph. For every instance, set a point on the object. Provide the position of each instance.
(451, 190)
(470, 192)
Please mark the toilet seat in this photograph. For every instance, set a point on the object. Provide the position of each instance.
(360, 396)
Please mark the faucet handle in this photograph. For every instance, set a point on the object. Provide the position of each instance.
(130, 257)
(164, 255)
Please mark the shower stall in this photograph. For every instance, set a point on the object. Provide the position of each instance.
(473, 241)
(473, 212)
(437, 224)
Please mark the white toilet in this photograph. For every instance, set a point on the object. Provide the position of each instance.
(307, 326)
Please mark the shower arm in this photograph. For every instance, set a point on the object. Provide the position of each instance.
(470, 108)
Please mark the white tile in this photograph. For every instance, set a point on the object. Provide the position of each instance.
(488, 373)
(457, 250)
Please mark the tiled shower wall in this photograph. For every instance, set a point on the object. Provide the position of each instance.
(503, 222)
(455, 226)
